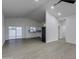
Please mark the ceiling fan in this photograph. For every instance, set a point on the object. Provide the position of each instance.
(68, 1)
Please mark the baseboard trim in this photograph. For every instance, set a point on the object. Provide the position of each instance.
(25, 38)
(51, 41)
(71, 43)
(4, 43)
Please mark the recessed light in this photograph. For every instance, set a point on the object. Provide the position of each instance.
(36, 0)
(52, 7)
(59, 14)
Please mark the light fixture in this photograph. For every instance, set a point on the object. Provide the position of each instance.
(52, 7)
(59, 14)
(36, 0)
(67, 1)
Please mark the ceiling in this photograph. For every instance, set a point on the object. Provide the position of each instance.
(66, 9)
(35, 10)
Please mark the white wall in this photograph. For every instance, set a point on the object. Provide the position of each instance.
(25, 23)
(71, 29)
(3, 30)
(51, 28)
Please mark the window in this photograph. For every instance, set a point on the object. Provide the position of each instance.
(32, 29)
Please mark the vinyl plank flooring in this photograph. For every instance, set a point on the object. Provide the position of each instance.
(36, 49)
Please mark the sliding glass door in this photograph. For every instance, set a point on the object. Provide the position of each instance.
(14, 32)
(18, 32)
